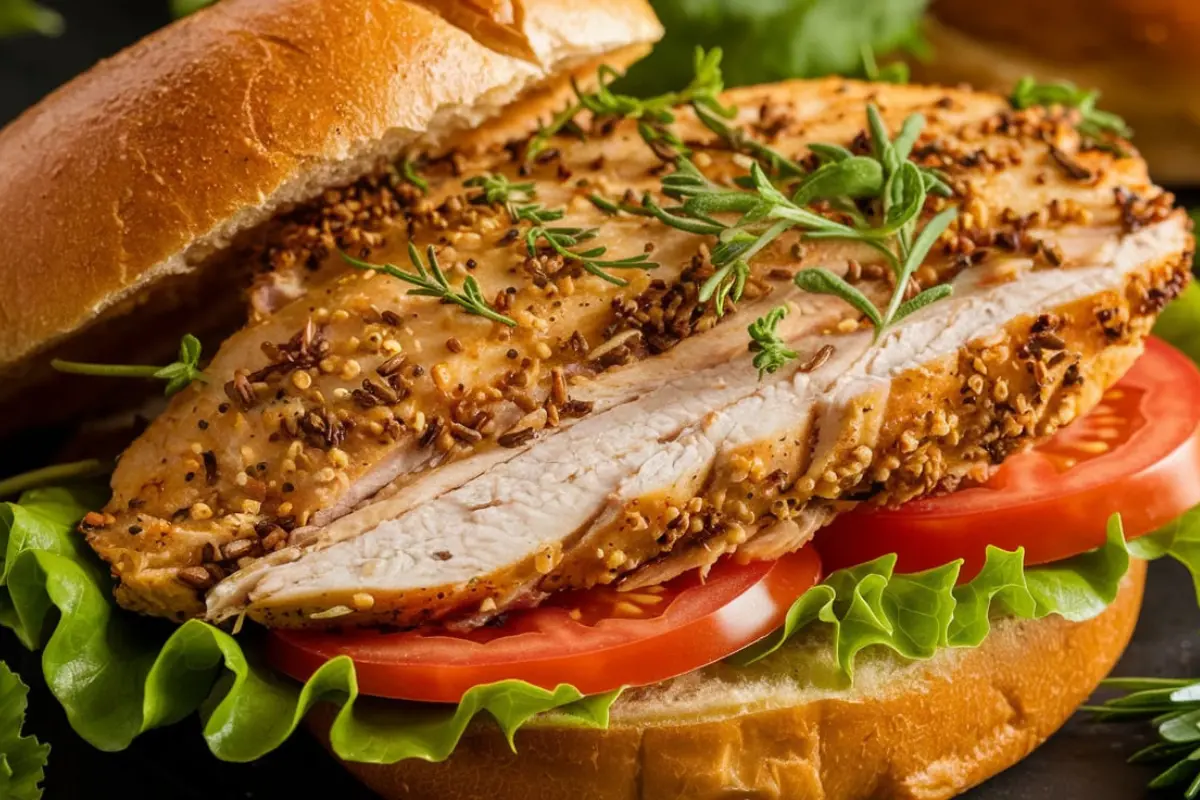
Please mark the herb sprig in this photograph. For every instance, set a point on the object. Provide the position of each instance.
(900, 187)
(1094, 123)
(561, 240)
(739, 141)
(770, 351)
(654, 113)
(408, 172)
(497, 189)
(179, 374)
(431, 282)
(1174, 708)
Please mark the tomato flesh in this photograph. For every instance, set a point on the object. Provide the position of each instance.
(596, 640)
(1137, 453)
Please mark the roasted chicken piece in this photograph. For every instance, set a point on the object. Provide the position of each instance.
(363, 455)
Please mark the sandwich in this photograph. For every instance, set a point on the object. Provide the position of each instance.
(1115, 48)
(525, 437)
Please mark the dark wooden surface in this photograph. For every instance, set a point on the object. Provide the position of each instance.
(1084, 760)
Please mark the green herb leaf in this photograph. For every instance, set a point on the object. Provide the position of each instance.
(19, 17)
(117, 675)
(819, 280)
(771, 352)
(702, 90)
(739, 141)
(843, 179)
(537, 214)
(178, 375)
(561, 240)
(918, 614)
(408, 172)
(496, 189)
(1094, 123)
(773, 41)
(432, 282)
(1173, 705)
(22, 758)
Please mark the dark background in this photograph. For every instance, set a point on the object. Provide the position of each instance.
(1084, 760)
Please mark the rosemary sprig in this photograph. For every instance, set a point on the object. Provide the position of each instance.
(612, 208)
(408, 171)
(1094, 124)
(431, 282)
(820, 280)
(739, 141)
(770, 351)
(655, 112)
(562, 239)
(535, 213)
(898, 187)
(179, 374)
(1173, 707)
(497, 189)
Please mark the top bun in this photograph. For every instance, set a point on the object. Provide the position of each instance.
(1143, 55)
(132, 176)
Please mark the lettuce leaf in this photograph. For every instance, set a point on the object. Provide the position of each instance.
(920, 613)
(774, 39)
(117, 675)
(22, 758)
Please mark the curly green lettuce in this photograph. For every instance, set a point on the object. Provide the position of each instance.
(118, 675)
(918, 614)
(22, 758)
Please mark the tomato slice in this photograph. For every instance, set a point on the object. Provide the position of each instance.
(1137, 453)
(596, 640)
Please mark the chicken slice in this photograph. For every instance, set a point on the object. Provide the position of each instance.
(350, 406)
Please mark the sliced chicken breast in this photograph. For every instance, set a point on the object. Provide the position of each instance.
(364, 455)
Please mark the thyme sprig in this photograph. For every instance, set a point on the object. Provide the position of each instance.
(614, 207)
(655, 113)
(1094, 124)
(561, 240)
(770, 351)
(178, 374)
(739, 141)
(1173, 707)
(496, 189)
(896, 188)
(535, 213)
(431, 282)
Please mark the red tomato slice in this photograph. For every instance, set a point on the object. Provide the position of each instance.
(596, 640)
(1136, 453)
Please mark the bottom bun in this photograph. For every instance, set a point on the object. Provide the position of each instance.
(780, 730)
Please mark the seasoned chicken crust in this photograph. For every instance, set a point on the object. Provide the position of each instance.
(365, 456)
